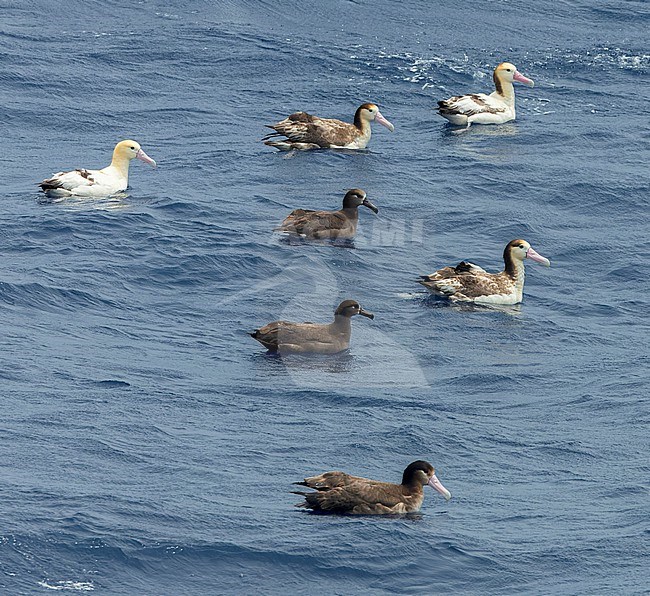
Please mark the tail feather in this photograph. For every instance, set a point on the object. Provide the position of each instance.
(288, 145)
(50, 184)
(446, 107)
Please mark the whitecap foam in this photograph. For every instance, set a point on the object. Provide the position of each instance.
(66, 584)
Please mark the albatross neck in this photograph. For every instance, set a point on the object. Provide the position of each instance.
(514, 269)
(361, 123)
(350, 212)
(121, 164)
(505, 89)
(341, 323)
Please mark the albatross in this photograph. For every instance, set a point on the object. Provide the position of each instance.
(97, 183)
(328, 224)
(479, 108)
(338, 492)
(286, 337)
(467, 282)
(304, 131)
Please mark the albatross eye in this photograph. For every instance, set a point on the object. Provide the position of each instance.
(132, 148)
(521, 246)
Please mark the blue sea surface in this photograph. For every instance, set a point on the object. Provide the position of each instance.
(148, 444)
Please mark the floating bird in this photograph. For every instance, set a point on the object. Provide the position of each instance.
(467, 282)
(97, 183)
(338, 492)
(479, 108)
(328, 224)
(304, 131)
(285, 337)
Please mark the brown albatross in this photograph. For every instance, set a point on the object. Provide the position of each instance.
(328, 224)
(286, 337)
(467, 282)
(304, 131)
(338, 492)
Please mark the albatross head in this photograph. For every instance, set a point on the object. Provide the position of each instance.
(127, 150)
(349, 308)
(357, 197)
(507, 72)
(520, 250)
(422, 472)
(369, 112)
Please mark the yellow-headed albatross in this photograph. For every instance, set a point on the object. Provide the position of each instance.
(467, 282)
(304, 131)
(97, 183)
(338, 492)
(286, 337)
(479, 108)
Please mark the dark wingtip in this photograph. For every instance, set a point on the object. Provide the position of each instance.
(49, 184)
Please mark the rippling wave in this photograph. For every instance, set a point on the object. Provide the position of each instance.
(149, 445)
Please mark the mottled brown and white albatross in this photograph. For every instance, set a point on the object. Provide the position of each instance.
(304, 131)
(496, 108)
(467, 282)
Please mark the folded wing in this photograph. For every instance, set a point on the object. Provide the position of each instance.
(470, 105)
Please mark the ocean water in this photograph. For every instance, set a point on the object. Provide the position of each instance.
(148, 445)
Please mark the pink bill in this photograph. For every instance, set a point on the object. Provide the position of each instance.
(535, 256)
(142, 156)
(437, 485)
(522, 79)
(379, 118)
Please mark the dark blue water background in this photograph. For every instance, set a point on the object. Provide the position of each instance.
(147, 444)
